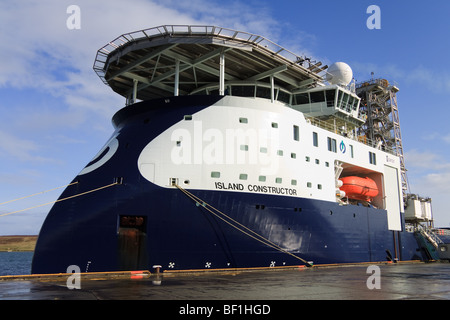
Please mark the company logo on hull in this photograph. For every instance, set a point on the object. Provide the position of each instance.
(103, 155)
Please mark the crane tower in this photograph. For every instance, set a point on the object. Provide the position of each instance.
(382, 127)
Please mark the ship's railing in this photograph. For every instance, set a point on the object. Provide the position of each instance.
(381, 82)
(441, 232)
(429, 234)
(189, 30)
(350, 135)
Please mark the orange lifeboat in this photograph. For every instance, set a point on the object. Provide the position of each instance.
(358, 188)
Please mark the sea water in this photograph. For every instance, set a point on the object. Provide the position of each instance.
(15, 263)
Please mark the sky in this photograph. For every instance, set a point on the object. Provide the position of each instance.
(56, 113)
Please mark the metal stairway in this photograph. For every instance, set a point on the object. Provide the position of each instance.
(428, 241)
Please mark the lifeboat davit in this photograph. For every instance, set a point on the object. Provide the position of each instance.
(358, 188)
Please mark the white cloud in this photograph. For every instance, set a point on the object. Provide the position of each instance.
(42, 58)
(436, 81)
(20, 149)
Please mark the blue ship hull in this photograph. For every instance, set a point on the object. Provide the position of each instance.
(136, 224)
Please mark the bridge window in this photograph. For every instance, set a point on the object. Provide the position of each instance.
(330, 95)
(243, 91)
(302, 98)
(317, 96)
(283, 96)
(263, 92)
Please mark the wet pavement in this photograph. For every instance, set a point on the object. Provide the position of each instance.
(422, 281)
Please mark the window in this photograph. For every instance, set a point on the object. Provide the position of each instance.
(274, 125)
(296, 133)
(309, 185)
(243, 120)
(351, 100)
(243, 91)
(351, 150)
(293, 182)
(262, 178)
(332, 146)
(317, 96)
(344, 101)
(215, 174)
(317, 161)
(319, 186)
(307, 159)
(340, 94)
(188, 117)
(263, 150)
(302, 98)
(243, 176)
(315, 139)
(283, 96)
(327, 164)
(280, 152)
(372, 158)
(330, 95)
(293, 155)
(244, 147)
(263, 92)
(278, 180)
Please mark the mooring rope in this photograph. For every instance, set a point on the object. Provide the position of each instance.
(250, 233)
(35, 194)
(59, 200)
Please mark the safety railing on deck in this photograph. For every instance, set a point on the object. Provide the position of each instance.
(429, 235)
(188, 30)
(363, 139)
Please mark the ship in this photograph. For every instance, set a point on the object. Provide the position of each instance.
(230, 152)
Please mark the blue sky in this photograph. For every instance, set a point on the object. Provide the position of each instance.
(56, 113)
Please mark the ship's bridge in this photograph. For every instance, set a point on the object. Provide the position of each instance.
(181, 60)
(334, 103)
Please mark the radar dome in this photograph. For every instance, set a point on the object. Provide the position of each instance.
(339, 73)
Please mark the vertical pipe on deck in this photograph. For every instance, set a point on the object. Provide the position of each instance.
(177, 78)
(222, 74)
(272, 89)
(135, 85)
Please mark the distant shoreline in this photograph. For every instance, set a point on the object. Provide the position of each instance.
(17, 243)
